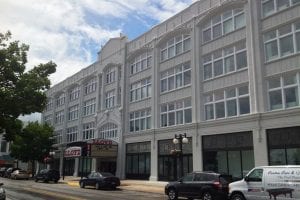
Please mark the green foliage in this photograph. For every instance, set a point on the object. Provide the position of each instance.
(21, 92)
(33, 143)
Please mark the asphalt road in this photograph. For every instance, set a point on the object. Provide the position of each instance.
(30, 190)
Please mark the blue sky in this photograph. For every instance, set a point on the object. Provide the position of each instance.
(71, 32)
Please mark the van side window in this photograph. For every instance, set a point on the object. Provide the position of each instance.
(256, 175)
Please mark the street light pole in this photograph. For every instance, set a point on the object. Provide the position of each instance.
(180, 139)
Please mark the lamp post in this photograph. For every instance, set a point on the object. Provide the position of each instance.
(180, 139)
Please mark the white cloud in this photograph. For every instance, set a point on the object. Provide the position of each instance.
(60, 31)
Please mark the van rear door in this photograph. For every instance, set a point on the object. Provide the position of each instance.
(255, 185)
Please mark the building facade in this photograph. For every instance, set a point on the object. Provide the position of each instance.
(225, 72)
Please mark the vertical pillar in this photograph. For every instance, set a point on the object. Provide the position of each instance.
(197, 152)
(154, 165)
(76, 167)
(260, 147)
(94, 164)
(61, 163)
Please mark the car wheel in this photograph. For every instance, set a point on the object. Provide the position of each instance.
(82, 184)
(207, 196)
(97, 186)
(237, 197)
(172, 194)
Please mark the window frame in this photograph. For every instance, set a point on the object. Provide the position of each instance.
(108, 131)
(137, 89)
(110, 99)
(137, 65)
(276, 9)
(139, 117)
(73, 112)
(88, 131)
(89, 107)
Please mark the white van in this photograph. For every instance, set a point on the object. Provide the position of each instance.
(268, 182)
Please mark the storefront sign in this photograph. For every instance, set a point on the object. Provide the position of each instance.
(104, 148)
(72, 152)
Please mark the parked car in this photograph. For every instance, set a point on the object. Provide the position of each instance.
(100, 180)
(2, 192)
(268, 182)
(2, 171)
(204, 185)
(47, 175)
(9, 171)
(19, 174)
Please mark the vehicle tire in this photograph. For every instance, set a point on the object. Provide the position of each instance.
(172, 194)
(207, 196)
(82, 184)
(97, 186)
(237, 197)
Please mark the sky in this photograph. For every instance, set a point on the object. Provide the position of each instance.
(71, 32)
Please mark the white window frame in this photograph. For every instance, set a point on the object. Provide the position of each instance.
(73, 112)
(141, 63)
(183, 108)
(209, 59)
(89, 107)
(209, 25)
(108, 131)
(171, 45)
(110, 99)
(276, 8)
(48, 119)
(210, 99)
(277, 38)
(72, 134)
(140, 119)
(60, 100)
(282, 88)
(90, 86)
(88, 131)
(59, 117)
(179, 70)
(58, 136)
(49, 104)
(74, 93)
(110, 75)
(137, 88)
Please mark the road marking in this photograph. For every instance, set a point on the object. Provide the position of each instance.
(54, 194)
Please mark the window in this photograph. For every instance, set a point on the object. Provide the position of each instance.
(256, 175)
(140, 90)
(110, 76)
(140, 120)
(110, 99)
(175, 46)
(49, 104)
(58, 137)
(59, 117)
(227, 103)
(90, 86)
(89, 107)
(141, 63)
(60, 100)
(272, 6)
(222, 24)
(225, 61)
(48, 119)
(175, 78)
(109, 130)
(74, 93)
(72, 134)
(73, 112)
(88, 130)
(284, 91)
(282, 42)
(3, 146)
(176, 113)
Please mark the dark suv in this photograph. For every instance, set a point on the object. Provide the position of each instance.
(204, 185)
(47, 175)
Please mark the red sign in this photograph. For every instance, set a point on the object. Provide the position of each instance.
(73, 152)
(102, 142)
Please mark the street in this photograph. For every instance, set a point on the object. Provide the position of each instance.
(28, 189)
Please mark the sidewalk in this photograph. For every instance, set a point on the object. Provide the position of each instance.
(134, 185)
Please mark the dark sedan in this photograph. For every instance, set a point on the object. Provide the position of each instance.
(100, 180)
(204, 185)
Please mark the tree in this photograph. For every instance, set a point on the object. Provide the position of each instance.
(33, 144)
(21, 92)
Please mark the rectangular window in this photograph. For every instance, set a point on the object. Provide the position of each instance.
(89, 107)
(90, 86)
(284, 91)
(140, 90)
(88, 131)
(110, 76)
(140, 120)
(110, 99)
(175, 113)
(59, 117)
(72, 134)
(74, 93)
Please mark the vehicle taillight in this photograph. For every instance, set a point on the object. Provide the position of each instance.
(218, 184)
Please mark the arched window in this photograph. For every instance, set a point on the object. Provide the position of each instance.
(108, 130)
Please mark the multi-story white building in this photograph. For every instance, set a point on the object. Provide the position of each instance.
(224, 72)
